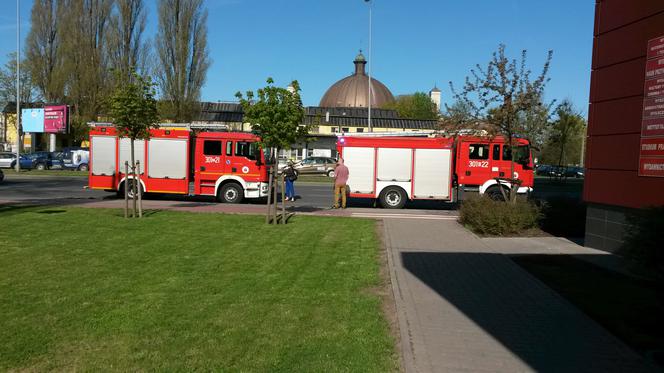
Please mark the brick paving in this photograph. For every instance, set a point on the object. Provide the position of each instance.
(465, 306)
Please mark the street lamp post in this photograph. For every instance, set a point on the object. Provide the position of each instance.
(18, 87)
(370, 62)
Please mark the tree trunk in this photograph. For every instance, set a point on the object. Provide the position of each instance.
(133, 183)
(276, 186)
(126, 192)
(140, 190)
(513, 186)
(283, 199)
(269, 194)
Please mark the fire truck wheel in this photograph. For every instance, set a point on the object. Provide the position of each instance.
(231, 193)
(495, 194)
(330, 173)
(393, 198)
(130, 193)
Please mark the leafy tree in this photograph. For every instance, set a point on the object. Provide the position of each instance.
(28, 92)
(502, 95)
(44, 55)
(276, 115)
(564, 143)
(415, 106)
(126, 49)
(457, 116)
(85, 29)
(183, 53)
(133, 108)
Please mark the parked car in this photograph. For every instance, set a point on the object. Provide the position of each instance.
(8, 160)
(43, 160)
(543, 170)
(316, 165)
(76, 159)
(574, 171)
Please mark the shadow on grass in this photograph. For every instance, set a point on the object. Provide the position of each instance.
(531, 321)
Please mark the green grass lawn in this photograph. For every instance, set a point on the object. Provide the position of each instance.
(10, 173)
(630, 308)
(85, 289)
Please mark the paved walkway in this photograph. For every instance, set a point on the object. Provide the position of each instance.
(465, 306)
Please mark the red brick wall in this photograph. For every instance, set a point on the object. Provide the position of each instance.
(622, 31)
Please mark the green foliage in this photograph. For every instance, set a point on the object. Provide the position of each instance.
(566, 135)
(28, 91)
(183, 53)
(644, 244)
(486, 216)
(134, 108)
(275, 114)
(415, 106)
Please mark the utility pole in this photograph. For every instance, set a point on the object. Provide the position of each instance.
(370, 63)
(18, 87)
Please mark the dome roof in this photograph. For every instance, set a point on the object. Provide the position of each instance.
(352, 91)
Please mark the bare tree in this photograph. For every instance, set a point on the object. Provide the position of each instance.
(503, 95)
(126, 49)
(43, 49)
(183, 53)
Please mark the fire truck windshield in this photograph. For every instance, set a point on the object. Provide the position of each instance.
(247, 149)
(522, 154)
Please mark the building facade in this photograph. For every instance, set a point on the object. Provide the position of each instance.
(625, 143)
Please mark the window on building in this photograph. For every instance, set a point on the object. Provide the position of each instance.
(345, 129)
(360, 130)
(334, 129)
(478, 151)
(496, 152)
(212, 147)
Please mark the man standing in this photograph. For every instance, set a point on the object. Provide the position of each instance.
(340, 180)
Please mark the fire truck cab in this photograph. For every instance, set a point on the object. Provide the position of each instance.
(227, 165)
(481, 160)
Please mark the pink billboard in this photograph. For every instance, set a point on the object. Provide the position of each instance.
(56, 119)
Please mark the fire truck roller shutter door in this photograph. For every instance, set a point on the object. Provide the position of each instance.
(103, 155)
(360, 163)
(125, 153)
(167, 158)
(432, 173)
(394, 168)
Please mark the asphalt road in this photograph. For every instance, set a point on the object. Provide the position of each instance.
(72, 189)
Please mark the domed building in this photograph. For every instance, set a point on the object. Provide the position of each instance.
(353, 91)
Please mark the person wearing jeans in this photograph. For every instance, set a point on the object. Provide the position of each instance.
(290, 176)
(340, 180)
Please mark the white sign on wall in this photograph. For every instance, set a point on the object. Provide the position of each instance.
(322, 153)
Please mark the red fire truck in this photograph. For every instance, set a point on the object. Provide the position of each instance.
(227, 165)
(396, 169)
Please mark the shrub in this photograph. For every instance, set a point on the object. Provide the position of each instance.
(486, 216)
(644, 243)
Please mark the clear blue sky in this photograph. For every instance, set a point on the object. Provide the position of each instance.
(416, 43)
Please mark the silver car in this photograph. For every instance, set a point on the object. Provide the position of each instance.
(316, 165)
